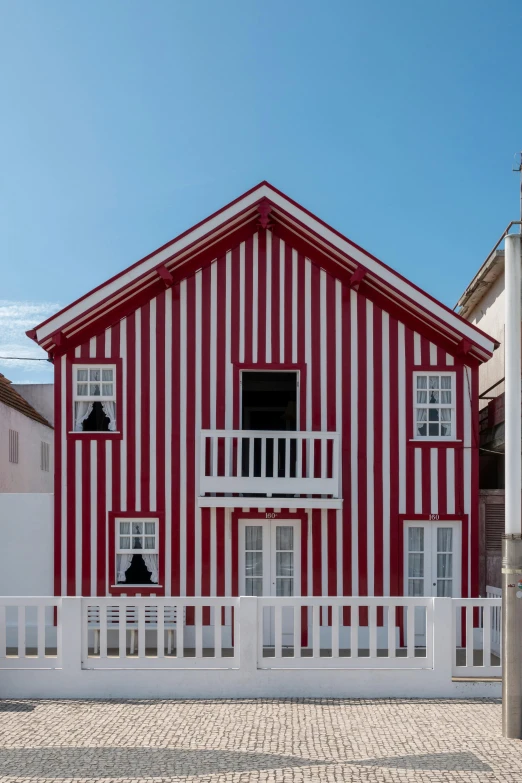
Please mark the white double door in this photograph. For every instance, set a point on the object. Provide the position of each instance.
(269, 564)
(432, 564)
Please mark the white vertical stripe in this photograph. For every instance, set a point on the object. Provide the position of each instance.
(338, 421)
(168, 440)
(94, 531)
(370, 454)
(339, 549)
(402, 418)
(242, 302)
(228, 551)
(153, 404)
(183, 439)
(310, 545)
(354, 434)
(268, 330)
(282, 300)
(386, 468)
(213, 345)
(213, 553)
(416, 348)
(78, 351)
(65, 456)
(449, 359)
(450, 480)
(229, 367)
(92, 347)
(466, 476)
(418, 481)
(255, 297)
(108, 507)
(197, 510)
(108, 343)
(78, 516)
(308, 342)
(324, 554)
(294, 306)
(137, 402)
(323, 402)
(433, 353)
(123, 441)
(434, 477)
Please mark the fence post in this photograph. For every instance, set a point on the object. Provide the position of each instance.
(248, 642)
(443, 642)
(70, 634)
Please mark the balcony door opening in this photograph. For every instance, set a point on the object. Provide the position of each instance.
(269, 403)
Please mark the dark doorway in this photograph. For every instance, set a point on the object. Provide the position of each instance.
(269, 403)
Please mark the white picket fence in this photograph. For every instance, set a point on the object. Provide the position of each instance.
(228, 647)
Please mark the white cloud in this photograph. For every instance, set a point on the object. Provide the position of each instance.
(15, 319)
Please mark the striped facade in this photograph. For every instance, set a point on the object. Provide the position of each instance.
(265, 303)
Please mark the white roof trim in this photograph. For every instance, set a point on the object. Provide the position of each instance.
(319, 228)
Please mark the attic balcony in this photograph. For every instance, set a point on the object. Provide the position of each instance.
(287, 469)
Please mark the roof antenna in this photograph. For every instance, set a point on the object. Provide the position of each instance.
(518, 168)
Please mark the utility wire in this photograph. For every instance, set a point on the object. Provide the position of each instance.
(22, 359)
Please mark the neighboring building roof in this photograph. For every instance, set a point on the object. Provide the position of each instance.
(10, 397)
(490, 270)
(199, 246)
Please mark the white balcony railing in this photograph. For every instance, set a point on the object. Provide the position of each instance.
(269, 463)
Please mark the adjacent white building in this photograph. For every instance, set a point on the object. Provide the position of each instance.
(26, 439)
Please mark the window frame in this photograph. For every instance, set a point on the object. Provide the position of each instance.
(132, 551)
(91, 397)
(435, 371)
(74, 362)
(112, 586)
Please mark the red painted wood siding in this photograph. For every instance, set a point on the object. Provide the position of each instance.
(262, 303)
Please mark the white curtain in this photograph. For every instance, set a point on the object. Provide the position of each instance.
(109, 408)
(122, 564)
(82, 411)
(151, 563)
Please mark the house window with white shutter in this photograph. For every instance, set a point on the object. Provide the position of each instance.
(434, 406)
(13, 446)
(94, 398)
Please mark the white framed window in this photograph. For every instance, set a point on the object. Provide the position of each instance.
(434, 406)
(13, 446)
(44, 456)
(94, 397)
(136, 538)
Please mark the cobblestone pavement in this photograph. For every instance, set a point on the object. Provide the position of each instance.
(284, 741)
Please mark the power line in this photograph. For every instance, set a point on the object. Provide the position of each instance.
(22, 359)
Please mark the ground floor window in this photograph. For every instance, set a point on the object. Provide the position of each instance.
(137, 557)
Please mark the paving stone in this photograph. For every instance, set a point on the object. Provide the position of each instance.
(270, 741)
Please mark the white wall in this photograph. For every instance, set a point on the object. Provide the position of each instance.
(40, 396)
(488, 315)
(26, 475)
(26, 533)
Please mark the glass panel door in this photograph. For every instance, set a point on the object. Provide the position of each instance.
(444, 562)
(253, 560)
(284, 560)
(415, 562)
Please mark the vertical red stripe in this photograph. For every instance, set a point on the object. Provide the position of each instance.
(175, 441)
(301, 337)
(362, 444)
(59, 425)
(395, 530)
(442, 481)
(377, 451)
(345, 444)
(317, 546)
(205, 551)
(160, 428)
(249, 294)
(261, 297)
(116, 452)
(86, 517)
(315, 370)
(288, 303)
(274, 315)
(220, 551)
(71, 468)
(191, 426)
(411, 478)
(145, 402)
(130, 391)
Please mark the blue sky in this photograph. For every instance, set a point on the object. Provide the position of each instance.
(126, 122)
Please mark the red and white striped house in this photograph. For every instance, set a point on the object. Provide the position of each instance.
(262, 407)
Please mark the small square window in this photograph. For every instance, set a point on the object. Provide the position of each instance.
(95, 399)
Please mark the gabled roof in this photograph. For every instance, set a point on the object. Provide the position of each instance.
(10, 397)
(266, 207)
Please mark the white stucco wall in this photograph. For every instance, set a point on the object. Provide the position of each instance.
(488, 315)
(40, 396)
(26, 533)
(26, 475)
